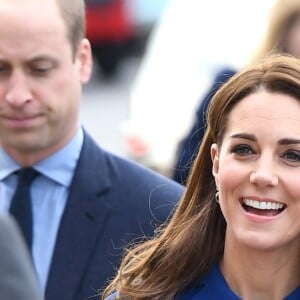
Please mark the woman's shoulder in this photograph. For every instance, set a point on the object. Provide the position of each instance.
(212, 286)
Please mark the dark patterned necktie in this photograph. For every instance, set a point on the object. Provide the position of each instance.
(20, 206)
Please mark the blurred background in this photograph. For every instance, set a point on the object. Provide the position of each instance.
(153, 60)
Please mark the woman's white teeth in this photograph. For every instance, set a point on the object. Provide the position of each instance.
(263, 204)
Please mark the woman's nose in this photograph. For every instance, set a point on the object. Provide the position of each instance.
(264, 174)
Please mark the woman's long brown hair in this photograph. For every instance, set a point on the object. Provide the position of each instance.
(193, 240)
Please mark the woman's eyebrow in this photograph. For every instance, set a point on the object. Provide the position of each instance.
(246, 136)
(251, 137)
(289, 141)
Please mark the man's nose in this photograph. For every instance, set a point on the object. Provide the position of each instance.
(18, 91)
(264, 173)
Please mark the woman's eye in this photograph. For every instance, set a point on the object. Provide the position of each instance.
(292, 155)
(242, 150)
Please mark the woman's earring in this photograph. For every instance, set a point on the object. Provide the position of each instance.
(217, 197)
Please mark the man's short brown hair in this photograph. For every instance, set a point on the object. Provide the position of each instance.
(73, 14)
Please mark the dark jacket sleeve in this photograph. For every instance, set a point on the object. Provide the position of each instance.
(188, 147)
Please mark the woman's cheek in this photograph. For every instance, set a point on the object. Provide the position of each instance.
(291, 184)
(231, 174)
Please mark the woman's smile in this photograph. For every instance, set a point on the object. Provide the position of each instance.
(265, 208)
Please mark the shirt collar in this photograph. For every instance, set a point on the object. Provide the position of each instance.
(58, 167)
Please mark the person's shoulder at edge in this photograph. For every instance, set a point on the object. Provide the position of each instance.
(18, 280)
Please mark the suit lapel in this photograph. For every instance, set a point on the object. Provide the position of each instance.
(80, 225)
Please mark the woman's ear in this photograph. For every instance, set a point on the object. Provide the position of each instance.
(214, 154)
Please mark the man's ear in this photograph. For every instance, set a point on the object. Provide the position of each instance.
(214, 154)
(85, 59)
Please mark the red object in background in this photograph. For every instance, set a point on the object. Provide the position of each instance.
(110, 31)
(136, 145)
(108, 21)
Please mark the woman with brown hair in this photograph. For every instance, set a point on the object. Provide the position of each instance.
(283, 36)
(236, 232)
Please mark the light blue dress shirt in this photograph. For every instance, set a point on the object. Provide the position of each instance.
(49, 196)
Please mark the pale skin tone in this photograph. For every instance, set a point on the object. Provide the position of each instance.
(259, 160)
(40, 80)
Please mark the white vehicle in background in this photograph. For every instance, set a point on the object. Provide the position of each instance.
(190, 43)
(145, 13)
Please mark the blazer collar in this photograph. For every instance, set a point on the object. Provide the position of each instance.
(84, 216)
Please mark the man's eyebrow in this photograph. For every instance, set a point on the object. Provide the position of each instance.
(33, 59)
(40, 58)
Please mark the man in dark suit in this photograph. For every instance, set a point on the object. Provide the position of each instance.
(111, 203)
(86, 204)
(17, 277)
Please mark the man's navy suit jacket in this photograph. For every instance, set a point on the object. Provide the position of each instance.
(111, 203)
